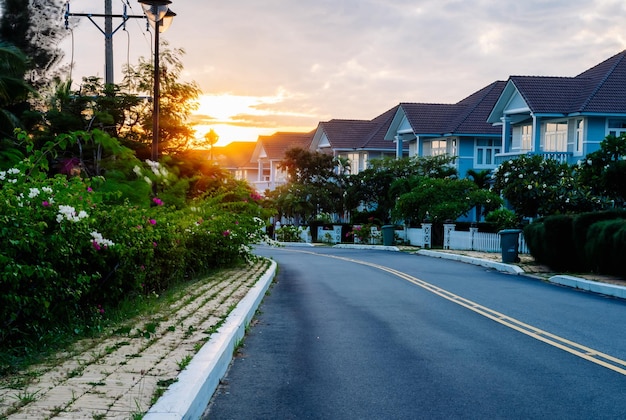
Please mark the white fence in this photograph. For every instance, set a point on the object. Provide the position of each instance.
(465, 241)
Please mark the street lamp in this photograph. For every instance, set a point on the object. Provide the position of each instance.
(160, 15)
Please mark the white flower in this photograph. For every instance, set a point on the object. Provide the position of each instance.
(530, 187)
(137, 170)
(13, 171)
(148, 180)
(47, 190)
(520, 176)
(97, 238)
(69, 213)
(34, 192)
(3, 175)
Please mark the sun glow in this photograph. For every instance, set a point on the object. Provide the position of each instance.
(242, 118)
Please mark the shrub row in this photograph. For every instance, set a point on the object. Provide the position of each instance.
(593, 242)
(66, 254)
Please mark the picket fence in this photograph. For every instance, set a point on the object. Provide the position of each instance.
(463, 241)
(453, 239)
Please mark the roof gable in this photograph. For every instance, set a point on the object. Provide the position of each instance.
(274, 147)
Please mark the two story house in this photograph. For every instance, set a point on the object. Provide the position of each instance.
(269, 151)
(460, 130)
(357, 141)
(564, 118)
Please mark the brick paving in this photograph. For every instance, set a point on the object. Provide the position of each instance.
(119, 376)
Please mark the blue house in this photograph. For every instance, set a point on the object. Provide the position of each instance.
(563, 118)
(460, 130)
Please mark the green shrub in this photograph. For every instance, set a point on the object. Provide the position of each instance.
(534, 235)
(580, 228)
(289, 233)
(559, 248)
(605, 246)
(503, 218)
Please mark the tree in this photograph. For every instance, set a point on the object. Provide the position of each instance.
(536, 186)
(178, 100)
(442, 198)
(604, 170)
(36, 29)
(13, 88)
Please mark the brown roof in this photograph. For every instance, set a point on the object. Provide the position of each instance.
(277, 144)
(236, 154)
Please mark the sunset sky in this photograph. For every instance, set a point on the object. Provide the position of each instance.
(285, 65)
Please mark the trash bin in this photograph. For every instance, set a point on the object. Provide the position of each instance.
(388, 234)
(509, 242)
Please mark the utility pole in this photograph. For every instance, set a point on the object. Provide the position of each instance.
(108, 31)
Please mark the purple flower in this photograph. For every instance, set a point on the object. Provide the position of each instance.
(157, 201)
(226, 233)
(152, 221)
(96, 245)
(45, 203)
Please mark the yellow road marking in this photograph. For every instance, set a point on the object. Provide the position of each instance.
(594, 356)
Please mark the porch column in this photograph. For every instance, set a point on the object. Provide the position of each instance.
(398, 146)
(536, 134)
(506, 134)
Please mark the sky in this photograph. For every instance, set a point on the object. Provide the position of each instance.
(285, 65)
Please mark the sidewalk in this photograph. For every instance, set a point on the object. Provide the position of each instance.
(123, 374)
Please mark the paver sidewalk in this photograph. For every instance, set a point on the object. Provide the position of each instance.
(121, 375)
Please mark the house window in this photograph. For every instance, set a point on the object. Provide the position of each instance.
(522, 139)
(355, 163)
(440, 147)
(616, 127)
(580, 133)
(555, 138)
(486, 149)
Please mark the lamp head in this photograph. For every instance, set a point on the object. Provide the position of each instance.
(155, 10)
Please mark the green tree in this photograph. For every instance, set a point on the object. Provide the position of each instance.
(534, 186)
(36, 28)
(177, 101)
(604, 170)
(13, 88)
(442, 198)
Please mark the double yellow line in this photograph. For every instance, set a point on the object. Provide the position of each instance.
(587, 353)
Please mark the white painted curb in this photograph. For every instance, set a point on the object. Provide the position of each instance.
(359, 246)
(591, 286)
(505, 268)
(190, 395)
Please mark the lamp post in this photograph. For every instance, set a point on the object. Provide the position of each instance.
(159, 14)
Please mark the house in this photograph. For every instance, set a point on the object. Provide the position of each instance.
(269, 151)
(563, 118)
(235, 157)
(357, 141)
(460, 130)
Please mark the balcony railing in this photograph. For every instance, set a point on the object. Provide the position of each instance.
(561, 157)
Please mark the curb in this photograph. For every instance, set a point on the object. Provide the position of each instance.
(357, 246)
(190, 395)
(561, 279)
(505, 268)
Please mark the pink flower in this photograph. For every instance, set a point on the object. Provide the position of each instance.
(226, 233)
(236, 223)
(152, 221)
(45, 203)
(154, 244)
(89, 189)
(96, 245)
(157, 201)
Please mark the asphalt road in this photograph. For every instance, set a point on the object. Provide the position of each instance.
(350, 338)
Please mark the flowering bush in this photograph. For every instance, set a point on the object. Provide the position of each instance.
(65, 249)
(535, 186)
(363, 233)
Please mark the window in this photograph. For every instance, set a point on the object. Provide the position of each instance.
(486, 149)
(616, 127)
(555, 138)
(440, 147)
(522, 140)
(357, 162)
(580, 135)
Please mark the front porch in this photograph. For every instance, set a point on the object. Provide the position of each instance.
(561, 157)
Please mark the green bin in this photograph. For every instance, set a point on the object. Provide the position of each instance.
(509, 243)
(388, 234)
